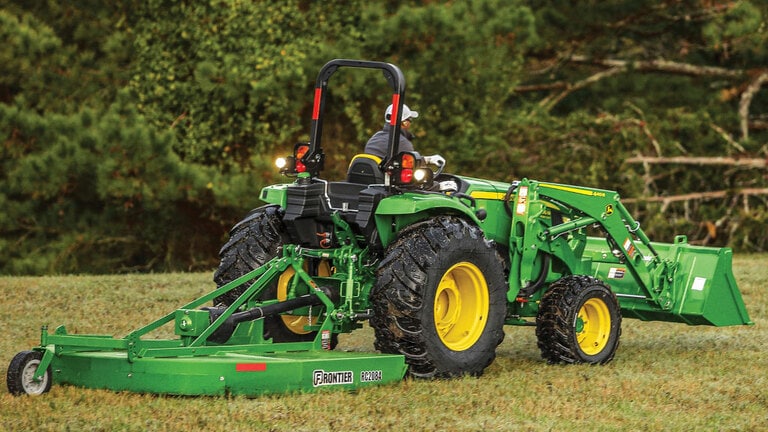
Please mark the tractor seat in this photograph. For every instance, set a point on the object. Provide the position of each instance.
(364, 169)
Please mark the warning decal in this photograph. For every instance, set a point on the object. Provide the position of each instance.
(629, 247)
(522, 199)
(698, 284)
(616, 273)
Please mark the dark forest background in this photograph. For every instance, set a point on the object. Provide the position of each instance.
(135, 133)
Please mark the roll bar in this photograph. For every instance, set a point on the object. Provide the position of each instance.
(396, 81)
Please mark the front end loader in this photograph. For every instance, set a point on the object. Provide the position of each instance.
(436, 263)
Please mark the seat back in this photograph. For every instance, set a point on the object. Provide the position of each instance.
(364, 169)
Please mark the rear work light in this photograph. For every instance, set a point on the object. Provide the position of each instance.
(297, 163)
(406, 168)
(299, 153)
(409, 169)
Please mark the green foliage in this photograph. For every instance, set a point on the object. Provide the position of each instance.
(463, 61)
(227, 80)
(26, 45)
(57, 56)
(103, 192)
(740, 32)
(135, 132)
(230, 78)
(590, 124)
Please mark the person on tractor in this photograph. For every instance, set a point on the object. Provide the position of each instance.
(377, 144)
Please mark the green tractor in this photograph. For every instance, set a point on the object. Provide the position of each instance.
(436, 263)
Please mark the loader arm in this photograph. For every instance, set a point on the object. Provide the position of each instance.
(552, 218)
(654, 281)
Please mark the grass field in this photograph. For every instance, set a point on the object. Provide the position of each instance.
(664, 377)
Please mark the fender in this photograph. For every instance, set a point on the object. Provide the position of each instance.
(275, 194)
(396, 212)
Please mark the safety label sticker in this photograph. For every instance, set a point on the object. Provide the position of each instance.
(616, 273)
(698, 284)
(630, 248)
(522, 200)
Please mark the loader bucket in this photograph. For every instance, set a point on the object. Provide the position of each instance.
(703, 288)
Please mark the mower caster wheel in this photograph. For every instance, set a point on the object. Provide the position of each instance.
(21, 371)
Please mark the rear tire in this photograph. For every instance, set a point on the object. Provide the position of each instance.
(253, 242)
(579, 321)
(440, 300)
(20, 372)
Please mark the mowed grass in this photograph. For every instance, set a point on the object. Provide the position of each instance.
(664, 377)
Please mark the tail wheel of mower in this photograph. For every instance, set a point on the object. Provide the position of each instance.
(440, 299)
(579, 321)
(21, 372)
(253, 242)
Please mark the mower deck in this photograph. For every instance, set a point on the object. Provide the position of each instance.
(242, 362)
(227, 372)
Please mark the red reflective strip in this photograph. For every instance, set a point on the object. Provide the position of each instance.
(395, 106)
(316, 107)
(251, 367)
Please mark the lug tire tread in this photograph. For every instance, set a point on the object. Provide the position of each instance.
(401, 310)
(252, 242)
(557, 313)
(14, 379)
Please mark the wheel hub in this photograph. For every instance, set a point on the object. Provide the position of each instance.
(31, 385)
(593, 326)
(461, 306)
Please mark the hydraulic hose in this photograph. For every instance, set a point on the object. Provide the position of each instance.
(508, 195)
(531, 288)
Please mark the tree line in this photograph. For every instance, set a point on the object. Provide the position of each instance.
(135, 133)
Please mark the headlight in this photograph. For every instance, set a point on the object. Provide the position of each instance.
(286, 165)
(420, 175)
(292, 165)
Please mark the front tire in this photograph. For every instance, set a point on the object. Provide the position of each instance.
(579, 321)
(440, 300)
(20, 373)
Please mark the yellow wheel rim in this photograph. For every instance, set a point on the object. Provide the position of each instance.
(461, 306)
(593, 326)
(296, 323)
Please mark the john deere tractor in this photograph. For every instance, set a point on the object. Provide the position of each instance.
(439, 263)
(436, 263)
